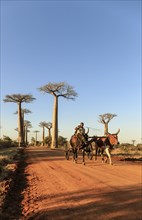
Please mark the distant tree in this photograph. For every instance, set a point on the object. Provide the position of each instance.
(6, 138)
(133, 142)
(49, 126)
(32, 140)
(23, 112)
(43, 124)
(7, 142)
(62, 141)
(27, 124)
(60, 89)
(19, 99)
(36, 136)
(105, 119)
(48, 141)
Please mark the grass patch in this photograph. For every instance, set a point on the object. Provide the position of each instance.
(8, 158)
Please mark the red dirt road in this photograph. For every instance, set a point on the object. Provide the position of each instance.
(53, 188)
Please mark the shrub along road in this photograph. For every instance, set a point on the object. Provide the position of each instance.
(46, 186)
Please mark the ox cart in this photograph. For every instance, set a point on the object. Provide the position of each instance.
(91, 145)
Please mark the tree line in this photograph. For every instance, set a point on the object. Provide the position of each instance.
(60, 89)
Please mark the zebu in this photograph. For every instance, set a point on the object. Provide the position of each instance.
(77, 144)
(104, 143)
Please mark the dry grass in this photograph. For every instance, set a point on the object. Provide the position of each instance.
(8, 156)
(8, 165)
(128, 152)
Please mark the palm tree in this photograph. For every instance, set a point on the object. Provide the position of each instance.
(36, 136)
(43, 124)
(60, 89)
(105, 119)
(19, 99)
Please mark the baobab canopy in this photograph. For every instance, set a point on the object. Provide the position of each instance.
(59, 89)
(19, 98)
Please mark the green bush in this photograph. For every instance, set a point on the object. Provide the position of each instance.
(7, 142)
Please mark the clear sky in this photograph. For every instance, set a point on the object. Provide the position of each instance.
(94, 46)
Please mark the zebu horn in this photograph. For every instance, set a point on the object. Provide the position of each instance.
(118, 131)
(87, 131)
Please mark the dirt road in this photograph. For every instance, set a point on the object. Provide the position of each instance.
(48, 187)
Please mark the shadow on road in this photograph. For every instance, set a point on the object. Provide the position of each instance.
(123, 204)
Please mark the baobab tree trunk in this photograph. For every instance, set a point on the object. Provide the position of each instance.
(26, 135)
(20, 127)
(36, 139)
(49, 132)
(43, 136)
(55, 124)
(106, 129)
(23, 127)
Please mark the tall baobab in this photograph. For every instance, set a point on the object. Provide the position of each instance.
(19, 99)
(60, 89)
(43, 124)
(105, 119)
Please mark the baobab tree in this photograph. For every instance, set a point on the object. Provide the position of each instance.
(27, 124)
(19, 99)
(60, 89)
(23, 112)
(49, 126)
(36, 131)
(133, 142)
(49, 138)
(105, 119)
(43, 124)
(33, 141)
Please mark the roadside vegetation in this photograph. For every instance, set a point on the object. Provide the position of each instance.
(9, 155)
(128, 151)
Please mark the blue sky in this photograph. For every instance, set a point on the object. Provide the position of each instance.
(94, 46)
